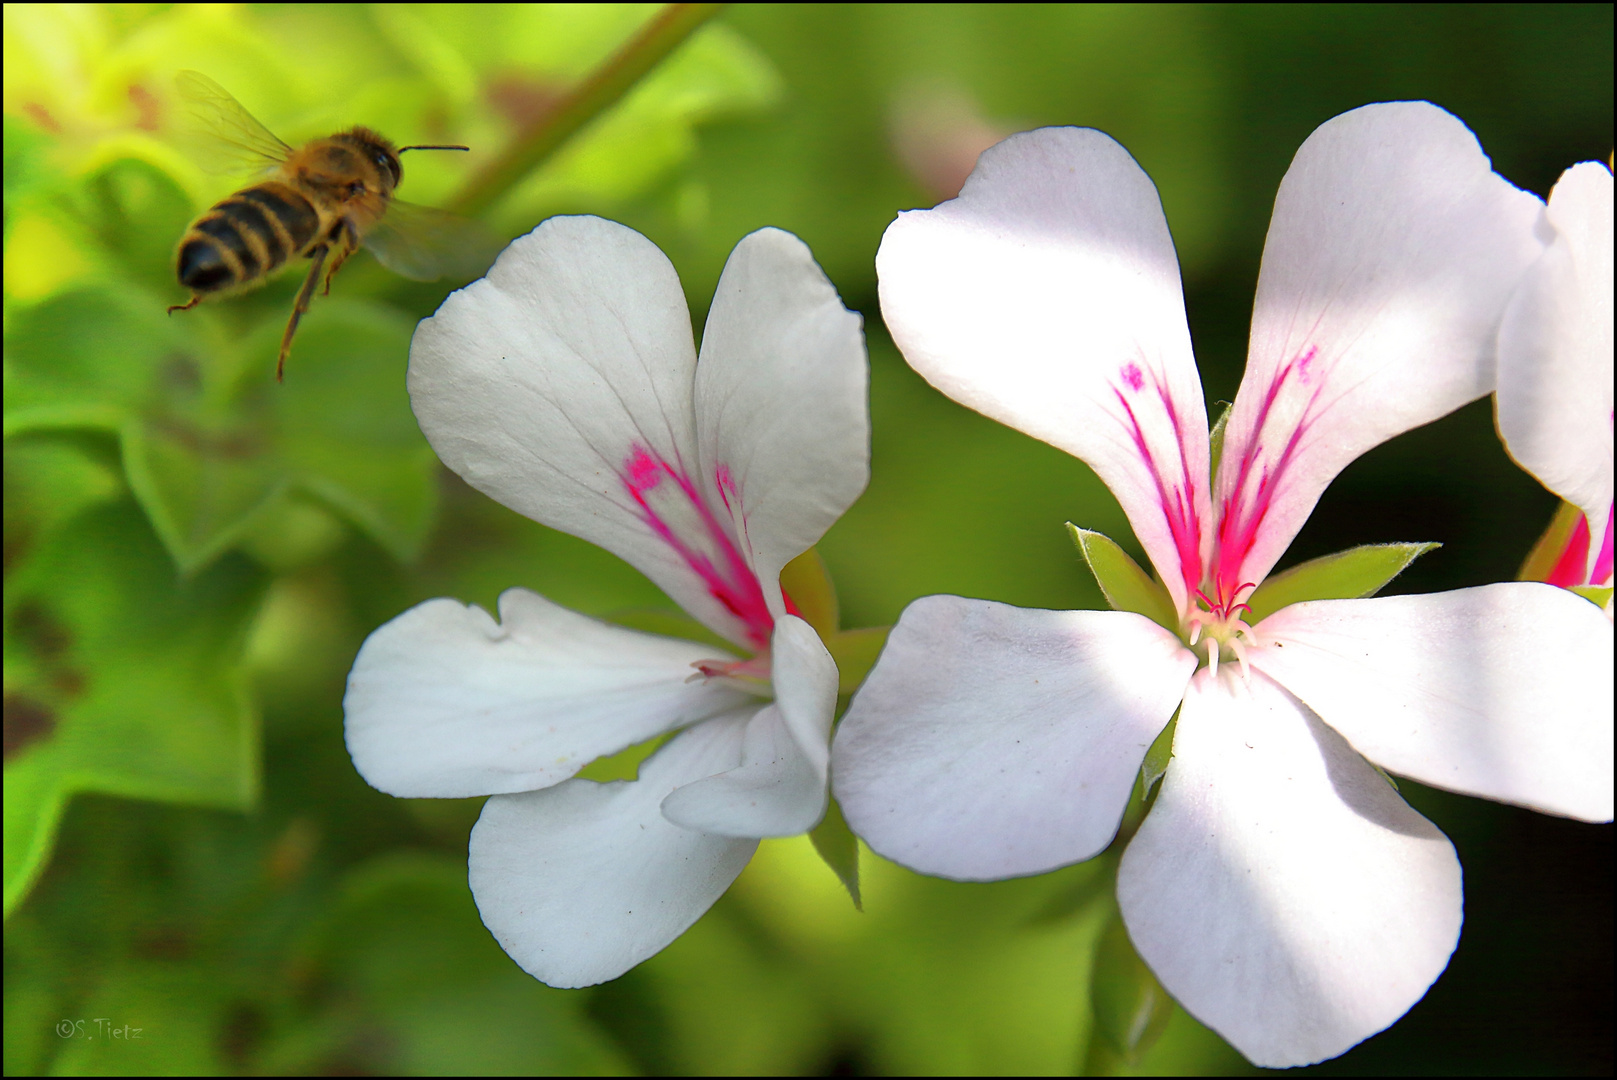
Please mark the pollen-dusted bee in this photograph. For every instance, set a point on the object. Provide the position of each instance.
(320, 202)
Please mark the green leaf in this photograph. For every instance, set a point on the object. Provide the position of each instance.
(344, 420)
(1347, 575)
(201, 488)
(1126, 586)
(149, 1018)
(404, 939)
(855, 653)
(208, 457)
(59, 373)
(1598, 595)
(839, 848)
(129, 678)
(49, 480)
(137, 214)
(1131, 1007)
(26, 165)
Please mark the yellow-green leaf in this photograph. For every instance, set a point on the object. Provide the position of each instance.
(1127, 587)
(1347, 575)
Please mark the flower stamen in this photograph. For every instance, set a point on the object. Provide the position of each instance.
(1220, 624)
(750, 675)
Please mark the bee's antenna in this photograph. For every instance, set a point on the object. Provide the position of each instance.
(402, 149)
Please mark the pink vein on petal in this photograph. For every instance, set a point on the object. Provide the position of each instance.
(733, 584)
(1601, 575)
(1241, 517)
(1178, 500)
(1572, 566)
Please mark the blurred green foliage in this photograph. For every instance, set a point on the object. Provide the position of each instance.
(193, 553)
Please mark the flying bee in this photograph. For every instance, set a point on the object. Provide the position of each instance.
(319, 202)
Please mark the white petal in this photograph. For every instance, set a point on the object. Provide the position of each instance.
(1504, 691)
(582, 881)
(1047, 296)
(562, 385)
(781, 417)
(992, 741)
(1280, 889)
(1392, 251)
(1555, 351)
(443, 702)
(779, 788)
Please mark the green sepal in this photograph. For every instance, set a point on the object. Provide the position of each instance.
(1125, 585)
(1131, 1008)
(1215, 440)
(1157, 758)
(1084, 884)
(1598, 595)
(809, 586)
(1548, 548)
(855, 653)
(1347, 575)
(839, 848)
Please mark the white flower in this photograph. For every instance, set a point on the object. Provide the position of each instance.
(566, 386)
(1279, 887)
(1555, 369)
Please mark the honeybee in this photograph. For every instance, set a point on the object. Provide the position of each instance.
(320, 202)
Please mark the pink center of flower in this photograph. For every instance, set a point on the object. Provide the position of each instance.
(1219, 621)
(672, 506)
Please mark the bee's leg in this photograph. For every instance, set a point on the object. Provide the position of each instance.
(196, 298)
(317, 260)
(349, 245)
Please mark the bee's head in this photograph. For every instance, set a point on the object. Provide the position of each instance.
(379, 151)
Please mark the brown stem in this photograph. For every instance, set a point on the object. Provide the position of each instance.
(604, 87)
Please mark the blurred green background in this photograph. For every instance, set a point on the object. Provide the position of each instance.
(193, 553)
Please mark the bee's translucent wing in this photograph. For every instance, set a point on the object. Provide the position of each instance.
(222, 136)
(424, 244)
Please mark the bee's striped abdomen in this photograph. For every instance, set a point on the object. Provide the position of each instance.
(245, 236)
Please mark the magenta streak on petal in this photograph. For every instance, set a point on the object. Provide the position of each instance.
(1240, 518)
(1569, 569)
(1601, 574)
(735, 587)
(725, 483)
(1179, 507)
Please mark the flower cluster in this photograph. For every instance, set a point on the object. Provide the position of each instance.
(1279, 887)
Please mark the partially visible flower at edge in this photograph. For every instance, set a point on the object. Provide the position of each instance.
(566, 386)
(1554, 398)
(1278, 887)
